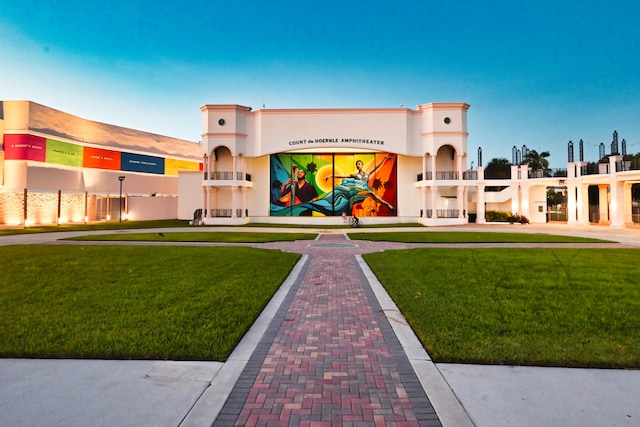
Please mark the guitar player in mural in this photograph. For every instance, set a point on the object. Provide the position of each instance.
(301, 190)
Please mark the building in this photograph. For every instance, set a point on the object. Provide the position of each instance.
(412, 164)
(416, 161)
(56, 167)
(300, 166)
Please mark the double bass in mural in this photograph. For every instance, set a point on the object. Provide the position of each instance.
(309, 184)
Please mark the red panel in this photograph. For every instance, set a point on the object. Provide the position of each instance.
(25, 147)
(101, 159)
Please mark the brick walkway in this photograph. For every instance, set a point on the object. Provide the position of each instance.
(329, 357)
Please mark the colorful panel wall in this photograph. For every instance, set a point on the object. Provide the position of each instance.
(308, 184)
(36, 148)
(25, 147)
(173, 166)
(98, 158)
(141, 163)
(63, 153)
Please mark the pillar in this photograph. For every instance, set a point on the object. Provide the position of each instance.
(572, 204)
(603, 194)
(425, 195)
(434, 207)
(460, 198)
(617, 204)
(480, 205)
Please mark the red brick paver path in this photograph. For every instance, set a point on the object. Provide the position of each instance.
(330, 357)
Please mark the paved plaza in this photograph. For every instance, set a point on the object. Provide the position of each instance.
(330, 349)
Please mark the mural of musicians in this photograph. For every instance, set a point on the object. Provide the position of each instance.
(318, 184)
(301, 191)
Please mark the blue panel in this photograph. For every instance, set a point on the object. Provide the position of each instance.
(139, 163)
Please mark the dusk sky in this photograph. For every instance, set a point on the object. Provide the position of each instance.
(536, 73)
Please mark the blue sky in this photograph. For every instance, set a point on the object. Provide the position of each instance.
(536, 73)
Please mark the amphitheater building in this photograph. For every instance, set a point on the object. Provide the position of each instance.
(299, 166)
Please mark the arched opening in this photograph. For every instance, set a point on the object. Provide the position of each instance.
(446, 164)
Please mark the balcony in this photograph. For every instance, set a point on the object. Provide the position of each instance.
(547, 173)
(447, 175)
(226, 179)
(628, 165)
(225, 213)
(448, 213)
(470, 175)
(594, 169)
(226, 176)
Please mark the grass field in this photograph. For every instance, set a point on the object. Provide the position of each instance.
(125, 302)
(469, 237)
(208, 236)
(552, 307)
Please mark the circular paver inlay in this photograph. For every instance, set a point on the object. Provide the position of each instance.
(333, 245)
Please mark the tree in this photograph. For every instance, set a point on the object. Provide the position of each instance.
(498, 169)
(537, 161)
(554, 198)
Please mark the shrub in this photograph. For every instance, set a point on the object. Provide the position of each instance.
(519, 219)
(497, 216)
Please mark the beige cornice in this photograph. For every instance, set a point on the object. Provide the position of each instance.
(443, 106)
(336, 111)
(437, 134)
(225, 135)
(224, 107)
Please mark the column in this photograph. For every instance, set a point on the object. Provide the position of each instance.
(425, 195)
(205, 212)
(424, 168)
(434, 207)
(433, 167)
(460, 198)
(515, 199)
(234, 188)
(572, 203)
(617, 204)
(244, 201)
(582, 202)
(524, 200)
(480, 208)
(604, 202)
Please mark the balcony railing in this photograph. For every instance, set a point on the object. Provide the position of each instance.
(628, 165)
(447, 175)
(470, 175)
(448, 213)
(225, 213)
(226, 176)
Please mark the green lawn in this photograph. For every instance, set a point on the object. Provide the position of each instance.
(124, 302)
(469, 237)
(207, 236)
(552, 307)
(110, 225)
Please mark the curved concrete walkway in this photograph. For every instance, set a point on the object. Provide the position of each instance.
(319, 355)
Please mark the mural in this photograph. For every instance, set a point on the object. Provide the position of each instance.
(307, 184)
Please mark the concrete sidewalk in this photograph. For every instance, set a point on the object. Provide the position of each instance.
(166, 393)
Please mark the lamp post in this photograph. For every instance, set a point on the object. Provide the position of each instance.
(121, 178)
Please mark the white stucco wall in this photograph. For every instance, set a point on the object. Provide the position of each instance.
(190, 191)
